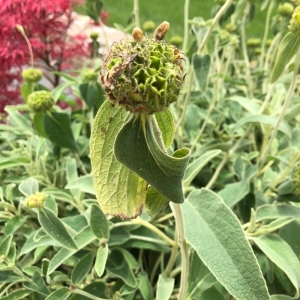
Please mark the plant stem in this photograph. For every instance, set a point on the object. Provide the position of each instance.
(216, 19)
(136, 13)
(284, 108)
(186, 25)
(21, 30)
(184, 251)
(85, 294)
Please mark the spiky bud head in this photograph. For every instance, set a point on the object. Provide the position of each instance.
(231, 28)
(32, 75)
(35, 200)
(295, 22)
(296, 179)
(148, 26)
(144, 76)
(40, 101)
(285, 9)
(90, 75)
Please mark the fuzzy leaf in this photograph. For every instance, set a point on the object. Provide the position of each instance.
(120, 192)
(164, 287)
(101, 259)
(82, 268)
(99, 223)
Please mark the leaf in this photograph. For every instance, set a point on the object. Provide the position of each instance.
(155, 201)
(83, 183)
(26, 89)
(29, 186)
(54, 227)
(84, 238)
(264, 119)
(14, 224)
(271, 211)
(119, 267)
(164, 287)
(145, 286)
(137, 148)
(61, 294)
(58, 130)
(211, 229)
(101, 259)
(249, 104)
(17, 294)
(196, 166)
(92, 93)
(19, 121)
(282, 255)
(120, 192)
(234, 192)
(11, 162)
(286, 50)
(39, 124)
(5, 245)
(37, 284)
(82, 268)
(201, 65)
(99, 223)
(281, 297)
(166, 125)
(56, 93)
(9, 276)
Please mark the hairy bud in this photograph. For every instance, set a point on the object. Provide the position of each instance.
(40, 101)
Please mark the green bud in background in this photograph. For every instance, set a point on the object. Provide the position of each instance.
(253, 43)
(285, 9)
(231, 28)
(32, 75)
(176, 40)
(94, 35)
(295, 22)
(148, 26)
(144, 75)
(36, 200)
(40, 101)
(90, 75)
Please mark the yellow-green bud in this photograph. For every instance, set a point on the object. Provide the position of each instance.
(176, 40)
(94, 35)
(40, 101)
(285, 9)
(90, 75)
(253, 43)
(32, 75)
(35, 200)
(296, 179)
(148, 26)
(143, 76)
(295, 22)
(231, 28)
(234, 41)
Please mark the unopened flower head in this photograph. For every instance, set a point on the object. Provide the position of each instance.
(90, 75)
(295, 22)
(296, 179)
(32, 75)
(40, 101)
(148, 26)
(285, 9)
(145, 74)
(176, 40)
(35, 200)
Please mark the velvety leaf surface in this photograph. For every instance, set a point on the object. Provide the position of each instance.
(138, 148)
(61, 294)
(164, 287)
(82, 268)
(99, 223)
(216, 235)
(120, 192)
(101, 259)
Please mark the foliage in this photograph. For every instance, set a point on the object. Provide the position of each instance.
(228, 148)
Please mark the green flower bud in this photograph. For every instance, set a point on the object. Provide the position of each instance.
(296, 179)
(234, 41)
(231, 28)
(285, 9)
(40, 101)
(253, 43)
(32, 75)
(295, 22)
(90, 75)
(148, 26)
(36, 200)
(176, 40)
(94, 35)
(144, 76)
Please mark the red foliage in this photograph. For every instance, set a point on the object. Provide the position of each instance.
(45, 23)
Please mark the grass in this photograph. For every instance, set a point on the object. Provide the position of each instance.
(172, 11)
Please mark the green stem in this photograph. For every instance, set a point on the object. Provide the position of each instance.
(21, 30)
(136, 11)
(216, 19)
(284, 108)
(184, 251)
(186, 26)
